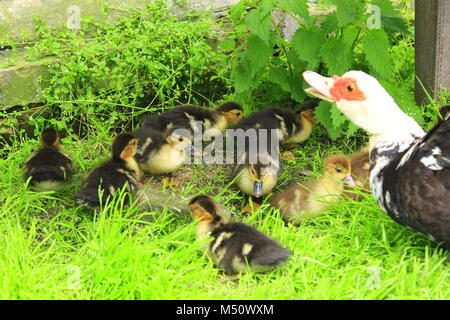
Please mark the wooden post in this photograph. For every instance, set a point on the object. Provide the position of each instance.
(432, 47)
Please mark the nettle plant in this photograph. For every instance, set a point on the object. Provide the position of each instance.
(354, 34)
(107, 75)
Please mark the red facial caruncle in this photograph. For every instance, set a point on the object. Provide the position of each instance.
(347, 89)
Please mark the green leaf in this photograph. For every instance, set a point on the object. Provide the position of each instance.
(350, 33)
(297, 92)
(405, 100)
(376, 48)
(337, 118)
(348, 11)
(323, 115)
(257, 54)
(297, 7)
(390, 17)
(242, 79)
(337, 55)
(227, 45)
(281, 77)
(307, 44)
(294, 60)
(351, 129)
(259, 20)
(395, 24)
(330, 24)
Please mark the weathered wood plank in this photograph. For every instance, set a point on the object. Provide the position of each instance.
(432, 47)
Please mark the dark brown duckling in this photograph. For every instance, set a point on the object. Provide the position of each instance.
(300, 201)
(293, 127)
(112, 175)
(196, 119)
(50, 167)
(360, 163)
(236, 247)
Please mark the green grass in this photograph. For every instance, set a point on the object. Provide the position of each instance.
(47, 241)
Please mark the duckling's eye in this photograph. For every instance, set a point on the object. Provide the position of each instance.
(180, 139)
(349, 88)
(338, 169)
(238, 114)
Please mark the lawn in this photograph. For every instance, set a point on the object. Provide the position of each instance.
(53, 249)
(105, 77)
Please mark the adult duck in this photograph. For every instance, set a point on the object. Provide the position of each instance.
(409, 170)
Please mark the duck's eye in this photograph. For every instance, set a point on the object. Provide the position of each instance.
(349, 88)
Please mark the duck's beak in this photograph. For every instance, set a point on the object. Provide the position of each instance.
(192, 149)
(320, 86)
(349, 180)
(258, 188)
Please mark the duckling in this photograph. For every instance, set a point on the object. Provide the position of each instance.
(196, 119)
(297, 202)
(163, 153)
(236, 247)
(258, 179)
(360, 164)
(50, 167)
(293, 127)
(256, 172)
(112, 175)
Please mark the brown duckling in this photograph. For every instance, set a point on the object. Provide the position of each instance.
(236, 247)
(112, 175)
(50, 167)
(360, 164)
(196, 119)
(297, 201)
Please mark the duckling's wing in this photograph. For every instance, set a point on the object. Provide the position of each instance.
(270, 254)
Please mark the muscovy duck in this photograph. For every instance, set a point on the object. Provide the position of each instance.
(410, 170)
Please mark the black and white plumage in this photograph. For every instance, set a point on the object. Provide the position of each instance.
(111, 176)
(162, 152)
(292, 127)
(50, 167)
(410, 170)
(236, 247)
(196, 119)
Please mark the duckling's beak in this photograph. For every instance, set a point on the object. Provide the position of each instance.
(258, 188)
(192, 149)
(320, 86)
(349, 180)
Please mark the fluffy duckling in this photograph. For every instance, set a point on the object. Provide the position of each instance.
(190, 116)
(163, 153)
(112, 175)
(256, 172)
(297, 202)
(292, 127)
(50, 167)
(360, 164)
(236, 247)
(258, 179)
